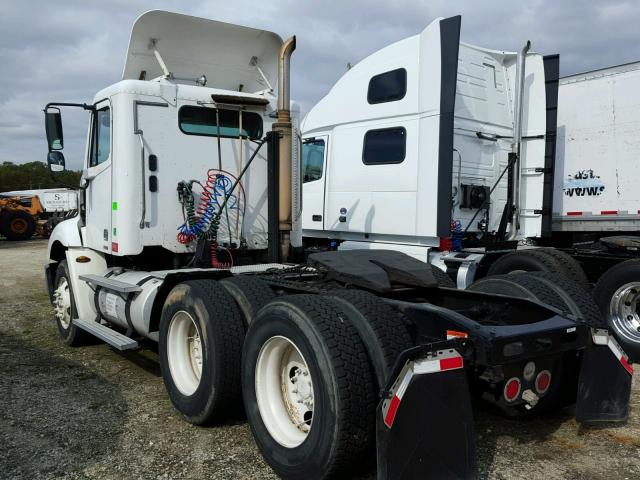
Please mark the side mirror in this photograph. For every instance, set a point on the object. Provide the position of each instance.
(55, 159)
(53, 127)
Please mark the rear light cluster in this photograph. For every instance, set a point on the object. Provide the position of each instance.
(513, 386)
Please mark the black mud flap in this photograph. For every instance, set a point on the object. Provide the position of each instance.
(604, 385)
(425, 426)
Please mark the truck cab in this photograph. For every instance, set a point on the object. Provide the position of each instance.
(184, 110)
(416, 138)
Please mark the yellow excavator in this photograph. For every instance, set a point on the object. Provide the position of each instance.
(20, 217)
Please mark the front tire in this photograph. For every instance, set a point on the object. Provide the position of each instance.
(308, 388)
(201, 334)
(65, 309)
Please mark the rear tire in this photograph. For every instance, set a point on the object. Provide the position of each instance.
(617, 294)
(443, 279)
(529, 260)
(572, 268)
(65, 307)
(201, 334)
(575, 296)
(549, 288)
(331, 440)
(250, 294)
(17, 225)
(382, 329)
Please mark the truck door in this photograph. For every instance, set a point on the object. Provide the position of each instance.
(314, 158)
(98, 177)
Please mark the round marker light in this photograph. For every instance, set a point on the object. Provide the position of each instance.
(512, 389)
(543, 381)
(529, 371)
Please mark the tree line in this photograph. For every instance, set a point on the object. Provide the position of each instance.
(34, 175)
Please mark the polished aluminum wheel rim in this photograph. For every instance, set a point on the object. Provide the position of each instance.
(623, 311)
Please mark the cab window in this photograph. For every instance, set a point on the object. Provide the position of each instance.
(101, 142)
(312, 160)
(203, 121)
(387, 87)
(384, 146)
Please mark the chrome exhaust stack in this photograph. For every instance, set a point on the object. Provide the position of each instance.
(283, 129)
(516, 145)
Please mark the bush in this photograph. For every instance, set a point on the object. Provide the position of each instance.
(34, 175)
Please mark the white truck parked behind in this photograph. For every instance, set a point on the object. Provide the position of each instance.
(519, 180)
(188, 235)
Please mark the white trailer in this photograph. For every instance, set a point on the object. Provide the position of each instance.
(53, 200)
(188, 235)
(597, 152)
(476, 195)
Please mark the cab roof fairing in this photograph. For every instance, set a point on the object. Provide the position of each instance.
(408, 53)
(228, 55)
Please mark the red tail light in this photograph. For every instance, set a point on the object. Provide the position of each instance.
(446, 244)
(543, 381)
(512, 389)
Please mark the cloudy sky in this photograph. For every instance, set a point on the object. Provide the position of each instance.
(66, 50)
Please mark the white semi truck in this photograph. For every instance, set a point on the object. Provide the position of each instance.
(526, 179)
(188, 235)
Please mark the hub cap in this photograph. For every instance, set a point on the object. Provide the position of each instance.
(623, 311)
(62, 303)
(184, 353)
(284, 391)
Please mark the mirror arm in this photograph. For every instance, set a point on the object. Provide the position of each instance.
(63, 104)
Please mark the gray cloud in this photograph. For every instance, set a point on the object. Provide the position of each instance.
(68, 50)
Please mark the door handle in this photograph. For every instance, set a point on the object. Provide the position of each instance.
(316, 218)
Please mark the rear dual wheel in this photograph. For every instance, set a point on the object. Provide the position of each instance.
(617, 294)
(552, 289)
(308, 388)
(201, 334)
(548, 260)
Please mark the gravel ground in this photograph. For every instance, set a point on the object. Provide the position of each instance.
(93, 413)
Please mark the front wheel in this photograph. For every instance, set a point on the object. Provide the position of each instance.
(308, 388)
(65, 309)
(200, 345)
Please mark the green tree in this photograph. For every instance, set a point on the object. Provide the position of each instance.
(34, 175)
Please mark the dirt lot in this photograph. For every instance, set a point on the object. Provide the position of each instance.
(93, 413)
